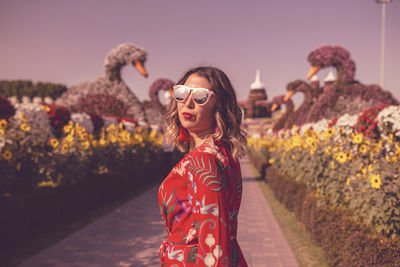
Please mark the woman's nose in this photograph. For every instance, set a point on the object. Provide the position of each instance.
(189, 101)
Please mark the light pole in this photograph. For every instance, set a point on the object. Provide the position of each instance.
(383, 2)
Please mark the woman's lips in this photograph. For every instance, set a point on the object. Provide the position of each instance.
(187, 116)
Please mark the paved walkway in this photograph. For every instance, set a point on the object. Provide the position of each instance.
(131, 235)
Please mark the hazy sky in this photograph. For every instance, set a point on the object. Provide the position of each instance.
(66, 41)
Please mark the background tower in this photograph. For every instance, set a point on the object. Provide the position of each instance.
(257, 94)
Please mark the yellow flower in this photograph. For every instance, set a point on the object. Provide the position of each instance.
(358, 175)
(25, 127)
(112, 138)
(23, 117)
(328, 150)
(85, 144)
(341, 157)
(102, 142)
(69, 138)
(271, 160)
(358, 138)
(7, 154)
(54, 143)
(46, 108)
(331, 131)
(2, 132)
(317, 192)
(375, 180)
(390, 140)
(64, 147)
(309, 141)
(293, 157)
(363, 149)
(332, 165)
(3, 123)
(348, 181)
(364, 171)
(94, 143)
(370, 168)
(47, 184)
(349, 155)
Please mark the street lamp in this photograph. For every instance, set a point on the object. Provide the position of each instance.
(383, 2)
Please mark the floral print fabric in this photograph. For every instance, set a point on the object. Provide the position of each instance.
(199, 203)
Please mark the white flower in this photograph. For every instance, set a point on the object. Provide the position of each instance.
(84, 120)
(36, 118)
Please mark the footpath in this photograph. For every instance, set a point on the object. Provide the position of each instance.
(131, 235)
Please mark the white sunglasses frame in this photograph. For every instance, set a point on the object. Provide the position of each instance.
(193, 89)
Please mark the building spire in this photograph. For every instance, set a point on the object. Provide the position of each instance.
(257, 84)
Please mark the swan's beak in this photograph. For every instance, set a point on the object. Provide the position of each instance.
(139, 66)
(288, 95)
(313, 71)
(171, 92)
(274, 107)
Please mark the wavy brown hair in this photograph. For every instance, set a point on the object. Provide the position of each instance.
(228, 115)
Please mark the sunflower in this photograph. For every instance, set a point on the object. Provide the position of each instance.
(64, 147)
(7, 154)
(3, 123)
(46, 108)
(370, 168)
(54, 143)
(341, 157)
(363, 149)
(375, 180)
(358, 138)
(85, 145)
(25, 127)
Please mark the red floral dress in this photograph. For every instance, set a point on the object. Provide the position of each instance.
(199, 203)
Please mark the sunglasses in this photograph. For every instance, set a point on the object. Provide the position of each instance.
(200, 95)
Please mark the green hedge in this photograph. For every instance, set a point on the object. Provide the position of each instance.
(25, 216)
(344, 241)
(20, 88)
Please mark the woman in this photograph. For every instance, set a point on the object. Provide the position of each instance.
(200, 198)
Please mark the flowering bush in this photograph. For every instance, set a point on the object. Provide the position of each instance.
(346, 169)
(102, 105)
(35, 116)
(389, 121)
(366, 122)
(84, 120)
(58, 117)
(6, 108)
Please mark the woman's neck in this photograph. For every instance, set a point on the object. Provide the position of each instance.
(199, 138)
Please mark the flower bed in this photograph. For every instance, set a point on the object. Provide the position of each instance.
(350, 174)
(47, 181)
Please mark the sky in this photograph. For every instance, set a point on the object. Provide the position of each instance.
(66, 41)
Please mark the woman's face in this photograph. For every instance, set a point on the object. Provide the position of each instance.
(194, 117)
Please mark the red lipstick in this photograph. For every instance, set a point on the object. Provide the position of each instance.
(187, 116)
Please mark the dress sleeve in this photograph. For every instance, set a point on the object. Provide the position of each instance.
(210, 210)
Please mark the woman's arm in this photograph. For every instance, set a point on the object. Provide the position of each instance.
(210, 209)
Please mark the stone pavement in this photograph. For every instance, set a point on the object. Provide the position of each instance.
(131, 235)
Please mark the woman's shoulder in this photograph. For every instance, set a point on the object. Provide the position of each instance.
(210, 150)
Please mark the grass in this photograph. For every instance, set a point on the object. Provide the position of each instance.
(306, 251)
(35, 246)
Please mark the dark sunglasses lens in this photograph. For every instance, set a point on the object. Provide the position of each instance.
(200, 96)
(180, 93)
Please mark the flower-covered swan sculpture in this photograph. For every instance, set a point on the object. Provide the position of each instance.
(111, 83)
(346, 95)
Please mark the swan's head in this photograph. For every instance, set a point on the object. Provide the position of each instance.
(294, 87)
(126, 54)
(277, 101)
(330, 56)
